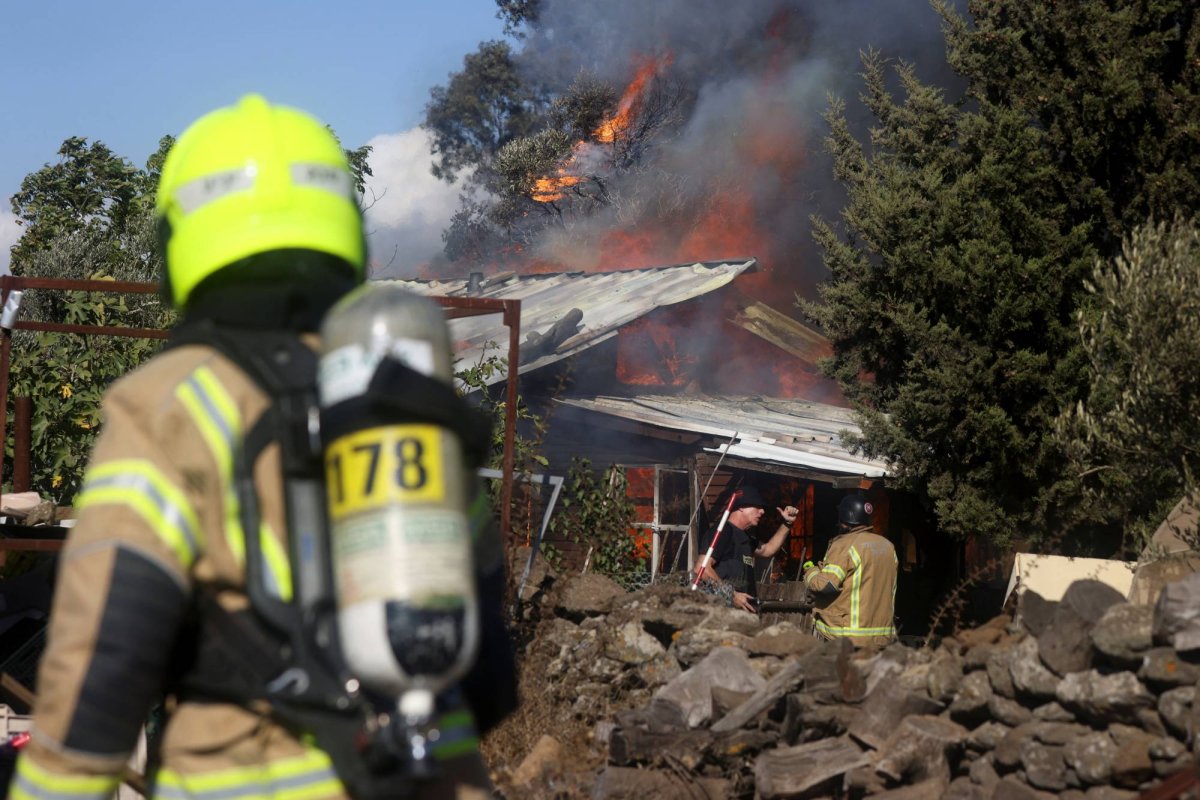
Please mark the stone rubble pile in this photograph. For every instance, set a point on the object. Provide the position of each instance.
(1088, 697)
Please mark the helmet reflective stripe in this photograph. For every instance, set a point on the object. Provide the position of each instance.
(325, 177)
(298, 778)
(196, 194)
(139, 486)
(217, 418)
(34, 782)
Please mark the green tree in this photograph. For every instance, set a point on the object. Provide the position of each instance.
(89, 186)
(517, 14)
(949, 303)
(66, 374)
(1114, 86)
(1135, 442)
(970, 228)
(482, 108)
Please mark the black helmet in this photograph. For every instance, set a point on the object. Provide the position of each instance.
(855, 510)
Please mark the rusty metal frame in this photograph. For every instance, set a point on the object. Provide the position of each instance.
(455, 307)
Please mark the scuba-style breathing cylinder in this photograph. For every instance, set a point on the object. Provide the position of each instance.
(398, 485)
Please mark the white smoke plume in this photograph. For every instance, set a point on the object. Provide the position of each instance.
(407, 208)
(10, 232)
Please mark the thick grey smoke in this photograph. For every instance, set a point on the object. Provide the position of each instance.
(744, 168)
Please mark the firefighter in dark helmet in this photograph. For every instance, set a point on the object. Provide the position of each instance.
(854, 588)
(167, 578)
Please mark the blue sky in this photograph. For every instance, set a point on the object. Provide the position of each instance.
(126, 72)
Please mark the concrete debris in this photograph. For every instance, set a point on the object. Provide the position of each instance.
(1087, 697)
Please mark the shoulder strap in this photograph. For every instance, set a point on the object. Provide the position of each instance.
(285, 369)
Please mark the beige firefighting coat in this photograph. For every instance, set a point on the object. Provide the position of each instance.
(861, 568)
(158, 485)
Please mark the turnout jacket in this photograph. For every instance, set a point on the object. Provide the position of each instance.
(158, 519)
(855, 588)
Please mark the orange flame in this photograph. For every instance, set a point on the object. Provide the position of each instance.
(631, 99)
(547, 190)
(551, 187)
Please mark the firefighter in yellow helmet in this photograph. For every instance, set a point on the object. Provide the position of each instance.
(188, 575)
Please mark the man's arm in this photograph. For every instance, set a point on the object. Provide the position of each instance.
(828, 576)
(772, 545)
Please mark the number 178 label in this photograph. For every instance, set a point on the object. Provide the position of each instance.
(378, 466)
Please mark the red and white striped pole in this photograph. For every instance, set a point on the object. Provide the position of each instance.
(720, 527)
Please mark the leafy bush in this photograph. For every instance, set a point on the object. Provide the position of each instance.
(1133, 443)
(595, 511)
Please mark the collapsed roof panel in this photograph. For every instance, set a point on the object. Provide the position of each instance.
(768, 430)
(566, 312)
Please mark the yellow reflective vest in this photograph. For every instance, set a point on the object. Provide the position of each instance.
(158, 495)
(855, 588)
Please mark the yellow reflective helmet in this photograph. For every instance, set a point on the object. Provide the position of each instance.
(249, 179)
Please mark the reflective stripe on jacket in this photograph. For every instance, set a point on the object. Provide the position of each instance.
(158, 510)
(855, 588)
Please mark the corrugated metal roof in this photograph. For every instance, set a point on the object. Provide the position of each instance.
(608, 301)
(779, 431)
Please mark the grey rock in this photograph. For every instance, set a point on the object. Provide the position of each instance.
(630, 644)
(999, 671)
(1053, 712)
(1175, 708)
(1177, 614)
(690, 694)
(1007, 755)
(987, 736)
(1059, 733)
(1164, 769)
(884, 709)
(693, 644)
(1096, 697)
(1011, 788)
(1010, 712)
(1163, 668)
(1164, 748)
(984, 774)
(1066, 645)
(588, 595)
(1091, 756)
(961, 788)
(1132, 765)
(1109, 793)
(1034, 612)
(1149, 720)
(971, 703)
(724, 618)
(977, 657)
(1044, 766)
(945, 676)
(1124, 633)
(658, 671)
(782, 639)
(1029, 677)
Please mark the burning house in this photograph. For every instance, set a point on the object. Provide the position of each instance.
(696, 378)
(693, 388)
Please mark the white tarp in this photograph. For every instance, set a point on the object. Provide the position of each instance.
(1050, 576)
